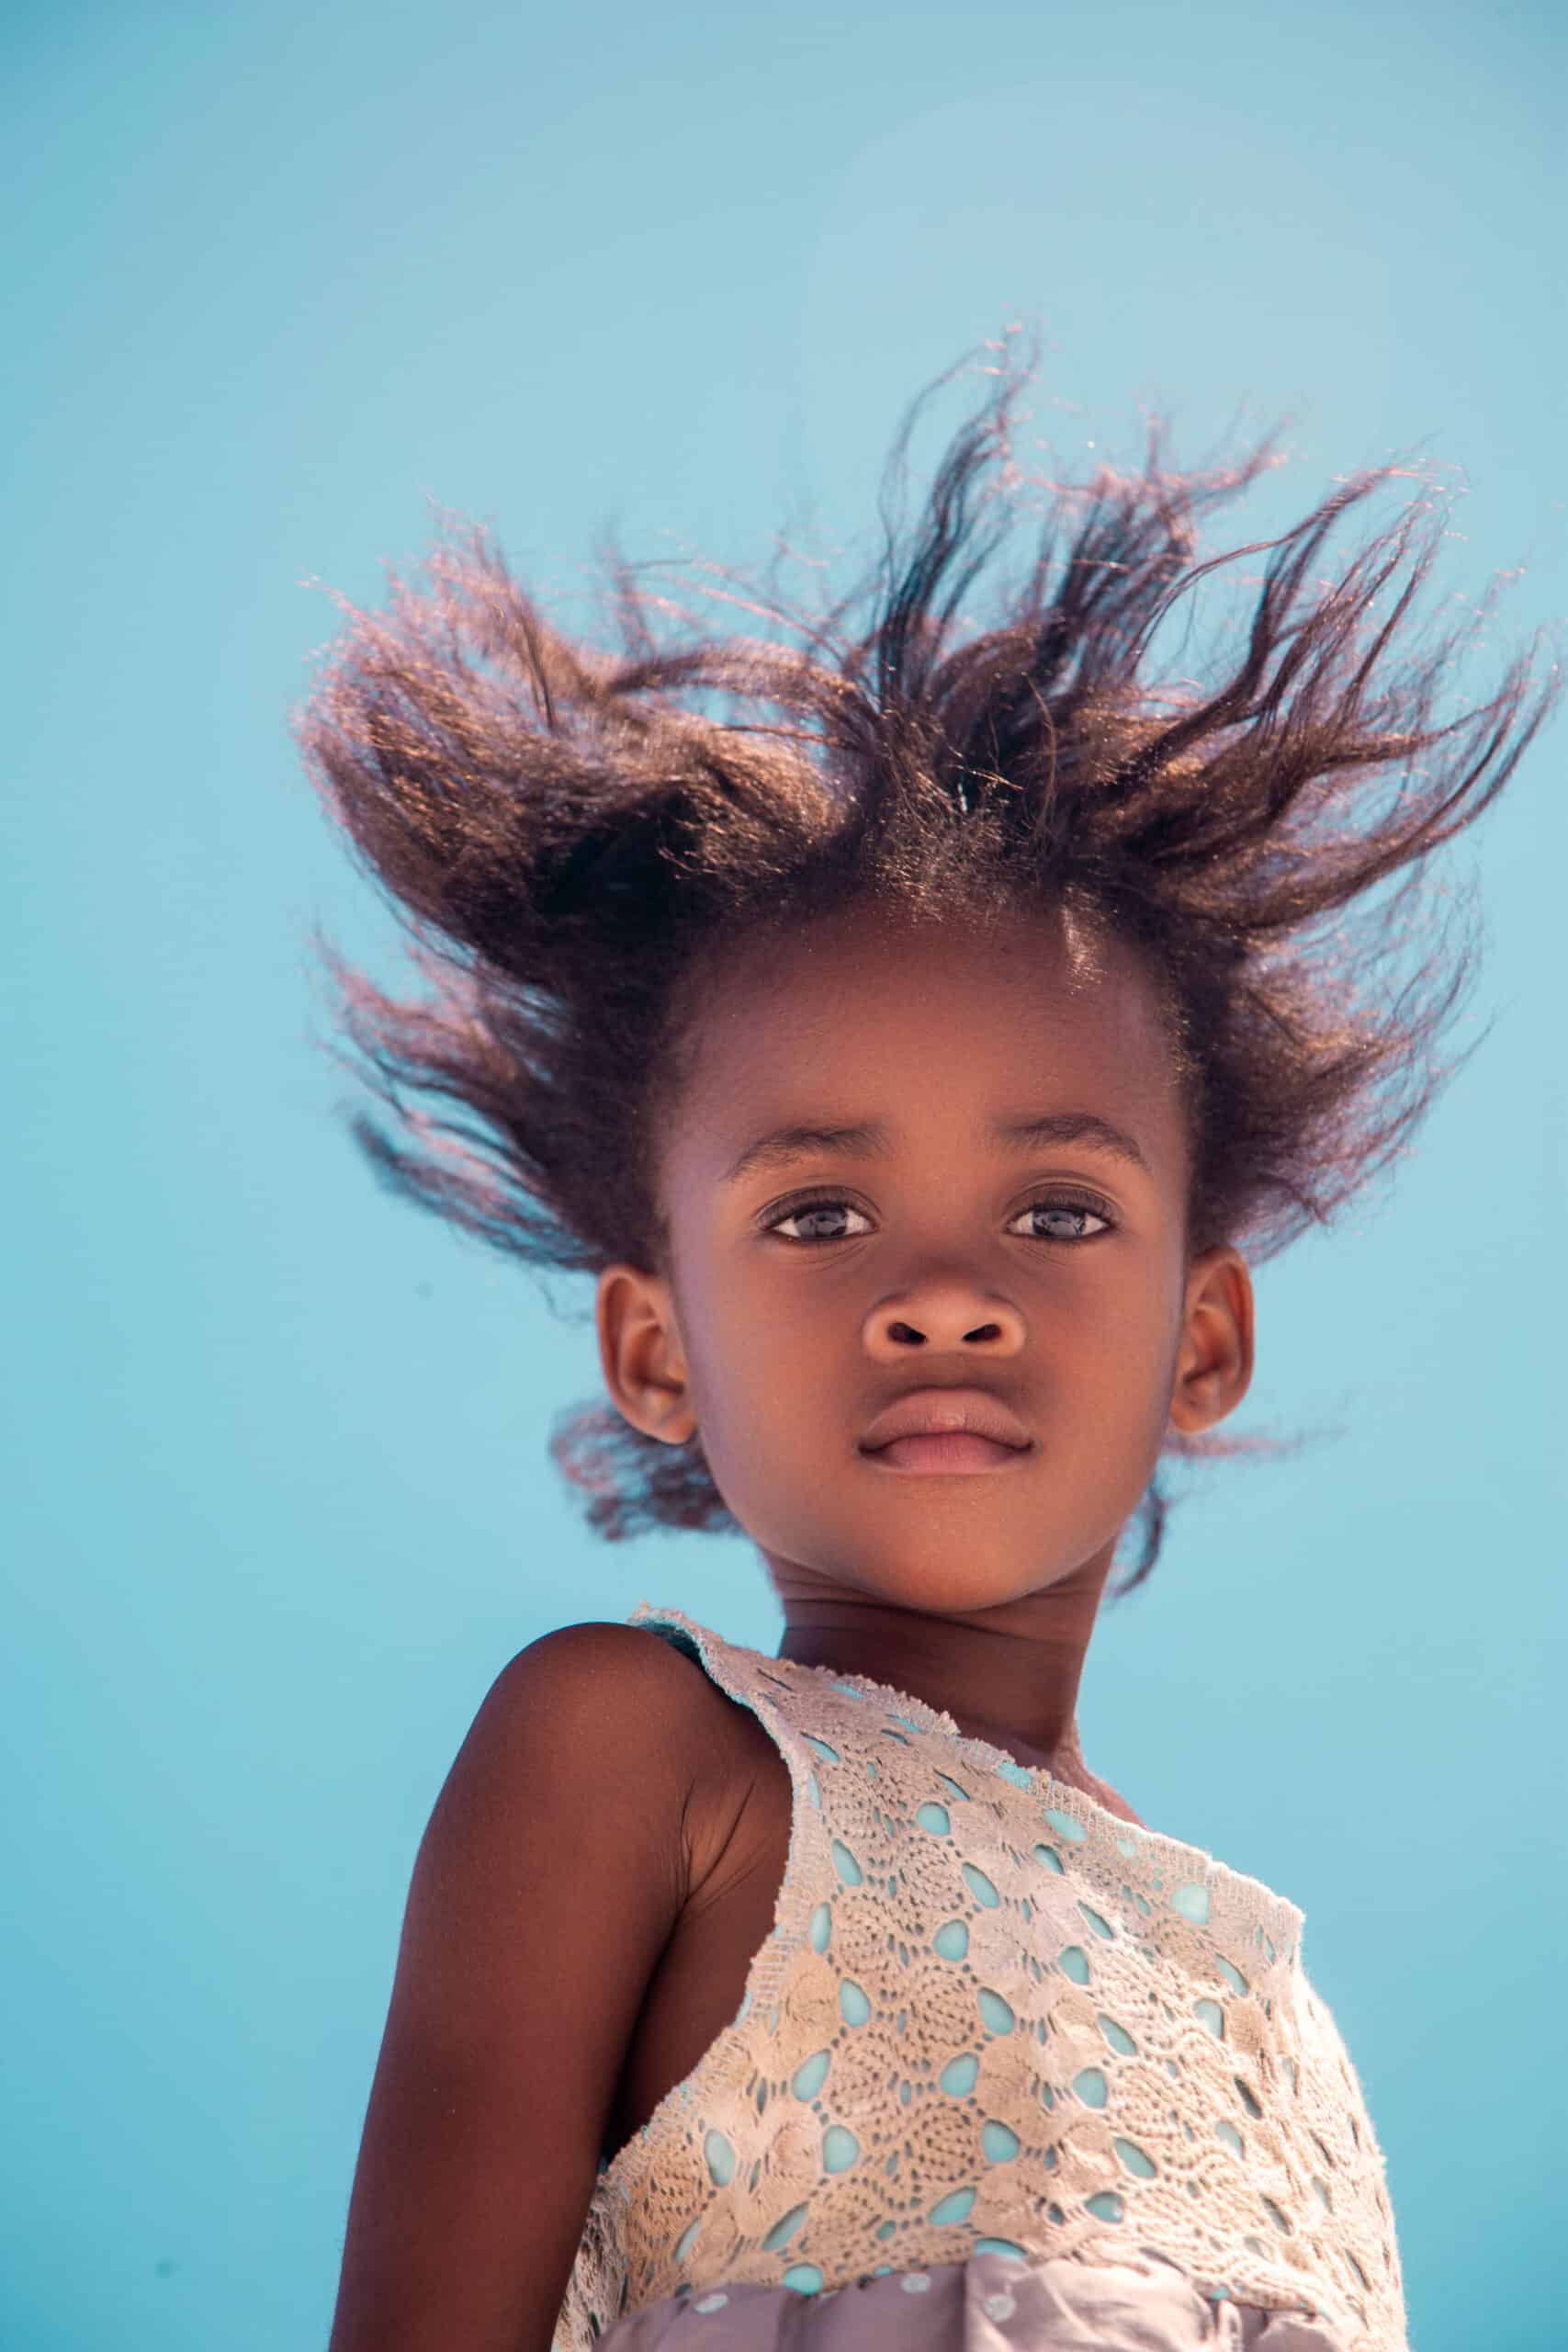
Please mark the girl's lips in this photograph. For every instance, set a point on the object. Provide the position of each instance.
(951, 1450)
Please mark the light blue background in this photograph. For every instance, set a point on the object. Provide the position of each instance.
(276, 1505)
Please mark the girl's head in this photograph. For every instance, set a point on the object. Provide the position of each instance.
(988, 1114)
(930, 883)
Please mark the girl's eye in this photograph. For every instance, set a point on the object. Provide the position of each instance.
(831, 1205)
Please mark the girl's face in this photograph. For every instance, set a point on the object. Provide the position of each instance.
(1050, 1270)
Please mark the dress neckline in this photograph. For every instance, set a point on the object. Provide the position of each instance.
(1130, 1837)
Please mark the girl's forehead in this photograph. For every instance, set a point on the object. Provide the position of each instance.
(836, 977)
(904, 1022)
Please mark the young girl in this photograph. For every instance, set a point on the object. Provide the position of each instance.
(916, 1033)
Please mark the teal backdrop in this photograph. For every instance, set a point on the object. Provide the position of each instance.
(284, 284)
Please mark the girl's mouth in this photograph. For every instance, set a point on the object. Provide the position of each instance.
(949, 1450)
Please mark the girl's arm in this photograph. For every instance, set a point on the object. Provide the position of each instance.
(547, 1885)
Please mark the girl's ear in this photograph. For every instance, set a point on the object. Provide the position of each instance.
(641, 1354)
(1213, 1364)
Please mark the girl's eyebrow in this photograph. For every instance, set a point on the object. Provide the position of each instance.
(869, 1138)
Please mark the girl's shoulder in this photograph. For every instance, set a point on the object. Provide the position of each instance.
(621, 1698)
(685, 1731)
(615, 1687)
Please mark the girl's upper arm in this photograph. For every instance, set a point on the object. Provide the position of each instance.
(547, 1885)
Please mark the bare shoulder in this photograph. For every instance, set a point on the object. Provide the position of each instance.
(618, 1700)
(665, 1719)
(622, 1683)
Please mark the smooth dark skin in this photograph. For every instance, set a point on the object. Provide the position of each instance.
(977, 1594)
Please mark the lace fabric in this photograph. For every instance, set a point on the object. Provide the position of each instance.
(993, 2018)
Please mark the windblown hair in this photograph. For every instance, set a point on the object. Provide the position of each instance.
(574, 839)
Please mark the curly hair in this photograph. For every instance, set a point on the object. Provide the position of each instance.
(573, 836)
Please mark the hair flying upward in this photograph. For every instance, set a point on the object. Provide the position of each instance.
(573, 837)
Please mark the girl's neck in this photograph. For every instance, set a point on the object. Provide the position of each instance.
(1010, 1680)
